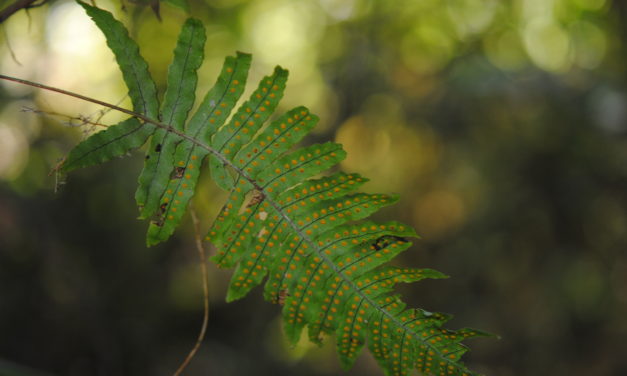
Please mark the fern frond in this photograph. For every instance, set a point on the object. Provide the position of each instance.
(305, 235)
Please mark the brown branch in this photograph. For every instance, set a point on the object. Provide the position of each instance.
(82, 97)
(9, 47)
(205, 287)
(17, 6)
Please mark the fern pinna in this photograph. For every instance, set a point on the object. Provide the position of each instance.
(326, 269)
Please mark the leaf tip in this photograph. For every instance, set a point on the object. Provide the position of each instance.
(280, 71)
(244, 55)
(195, 22)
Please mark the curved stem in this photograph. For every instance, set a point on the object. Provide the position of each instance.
(16, 6)
(205, 288)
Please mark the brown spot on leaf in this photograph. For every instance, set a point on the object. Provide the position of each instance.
(177, 173)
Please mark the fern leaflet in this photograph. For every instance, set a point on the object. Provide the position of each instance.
(302, 234)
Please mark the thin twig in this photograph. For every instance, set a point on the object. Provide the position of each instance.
(82, 97)
(106, 110)
(16, 6)
(9, 47)
(70, 121)
(205, 287)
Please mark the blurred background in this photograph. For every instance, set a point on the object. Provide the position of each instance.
(502, 124)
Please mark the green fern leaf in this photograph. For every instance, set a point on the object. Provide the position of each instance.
(178, 101)
(246, 122)
(305, 235)
(129, 134)
(115, 141)
(188, 156)
(259, 251)
(141, 87)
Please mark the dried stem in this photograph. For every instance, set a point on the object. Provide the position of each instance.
(18, 5)
(205, 287)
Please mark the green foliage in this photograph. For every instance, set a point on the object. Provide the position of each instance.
(179, 99)
(327, 270)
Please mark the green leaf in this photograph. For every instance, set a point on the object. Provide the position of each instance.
(245, 123)
(336, 246)
(311, 223)
(295, 167)
(188, 157)
(141, 87)
(304, 233)
(262, 219)
(221, 99)
(282, 174)
(327, 215)
(178, 101)
(279, 137)
(115, 141)
(352, 335)
(188, 56)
